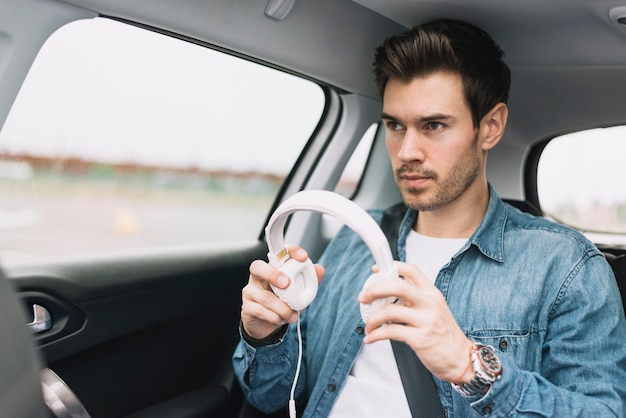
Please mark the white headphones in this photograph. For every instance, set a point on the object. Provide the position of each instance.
(303, 286)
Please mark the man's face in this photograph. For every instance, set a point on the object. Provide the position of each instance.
(432, 142)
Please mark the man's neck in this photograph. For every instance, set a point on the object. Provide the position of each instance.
(458, 219)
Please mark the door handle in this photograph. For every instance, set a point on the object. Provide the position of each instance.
(42, 321)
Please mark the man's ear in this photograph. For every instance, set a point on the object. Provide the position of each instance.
(493, 124)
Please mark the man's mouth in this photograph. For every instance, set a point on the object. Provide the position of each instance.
(412, 179)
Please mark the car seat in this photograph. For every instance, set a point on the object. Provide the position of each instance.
(20, 382)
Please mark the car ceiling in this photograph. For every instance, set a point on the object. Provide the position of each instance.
(568, 57)
(534, 33)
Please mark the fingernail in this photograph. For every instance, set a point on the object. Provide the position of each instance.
(300, 253)
(282, 281)
(293, 318)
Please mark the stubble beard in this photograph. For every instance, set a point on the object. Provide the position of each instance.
(448, 189)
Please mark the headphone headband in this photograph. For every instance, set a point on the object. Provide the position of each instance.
(333, 204)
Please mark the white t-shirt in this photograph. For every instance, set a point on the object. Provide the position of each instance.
(373, 387)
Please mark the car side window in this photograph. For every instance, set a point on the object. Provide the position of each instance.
(352, 173)
(580, 182)
(126, 138)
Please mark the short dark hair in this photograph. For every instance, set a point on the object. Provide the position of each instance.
(448, 45)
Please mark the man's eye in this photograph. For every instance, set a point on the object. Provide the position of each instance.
(434, 126)
(393, 126)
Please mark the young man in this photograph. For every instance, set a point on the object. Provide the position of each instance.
(483, 281)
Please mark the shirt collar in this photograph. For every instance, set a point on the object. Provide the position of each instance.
(488, 238)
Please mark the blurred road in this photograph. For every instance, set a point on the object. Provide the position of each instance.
(51, 224)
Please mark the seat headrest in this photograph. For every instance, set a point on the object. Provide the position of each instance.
(524, 206)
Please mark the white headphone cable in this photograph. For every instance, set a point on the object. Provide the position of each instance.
(292, 400)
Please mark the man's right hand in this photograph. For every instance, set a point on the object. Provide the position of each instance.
(262, 312)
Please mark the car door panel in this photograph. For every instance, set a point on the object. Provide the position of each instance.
(145, 331)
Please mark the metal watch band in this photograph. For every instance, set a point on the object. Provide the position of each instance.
(481, 383)
(474, 387)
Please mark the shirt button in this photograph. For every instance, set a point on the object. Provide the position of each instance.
(487, 409)
(503, 345)
(359, 330)
(331, 387)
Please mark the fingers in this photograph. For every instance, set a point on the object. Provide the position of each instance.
(300, 254)
(427, 342)
(378, 329)
(420, 300)
(262, 275)
(264, 307)
(390, 323)
(320, 271)
(414, 286)
(413, 274)
(297, 253)
(262, 312)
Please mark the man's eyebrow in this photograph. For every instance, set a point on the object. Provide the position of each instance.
(428, 118)
(434, 117)
(387, 116)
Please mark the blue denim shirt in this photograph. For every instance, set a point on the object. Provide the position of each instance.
(540, 293)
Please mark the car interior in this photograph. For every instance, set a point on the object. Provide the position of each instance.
(149, 330)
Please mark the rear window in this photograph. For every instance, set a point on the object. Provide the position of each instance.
(125, 138)
(581, 179)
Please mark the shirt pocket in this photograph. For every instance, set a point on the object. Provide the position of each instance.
(522, 346)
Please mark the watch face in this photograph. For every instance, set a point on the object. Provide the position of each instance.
(490, 360)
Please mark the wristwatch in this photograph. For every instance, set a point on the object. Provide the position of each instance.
(488, 369)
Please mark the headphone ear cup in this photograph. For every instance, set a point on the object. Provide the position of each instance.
(303, 286)
(367, 309)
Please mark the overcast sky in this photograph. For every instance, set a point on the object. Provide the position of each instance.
(107, 91)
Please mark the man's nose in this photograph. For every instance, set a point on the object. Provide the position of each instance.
(412, 148)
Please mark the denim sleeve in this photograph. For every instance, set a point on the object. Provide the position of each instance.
(583, 372)
(266, 373)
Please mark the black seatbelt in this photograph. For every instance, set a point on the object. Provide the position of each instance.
(419, 387)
